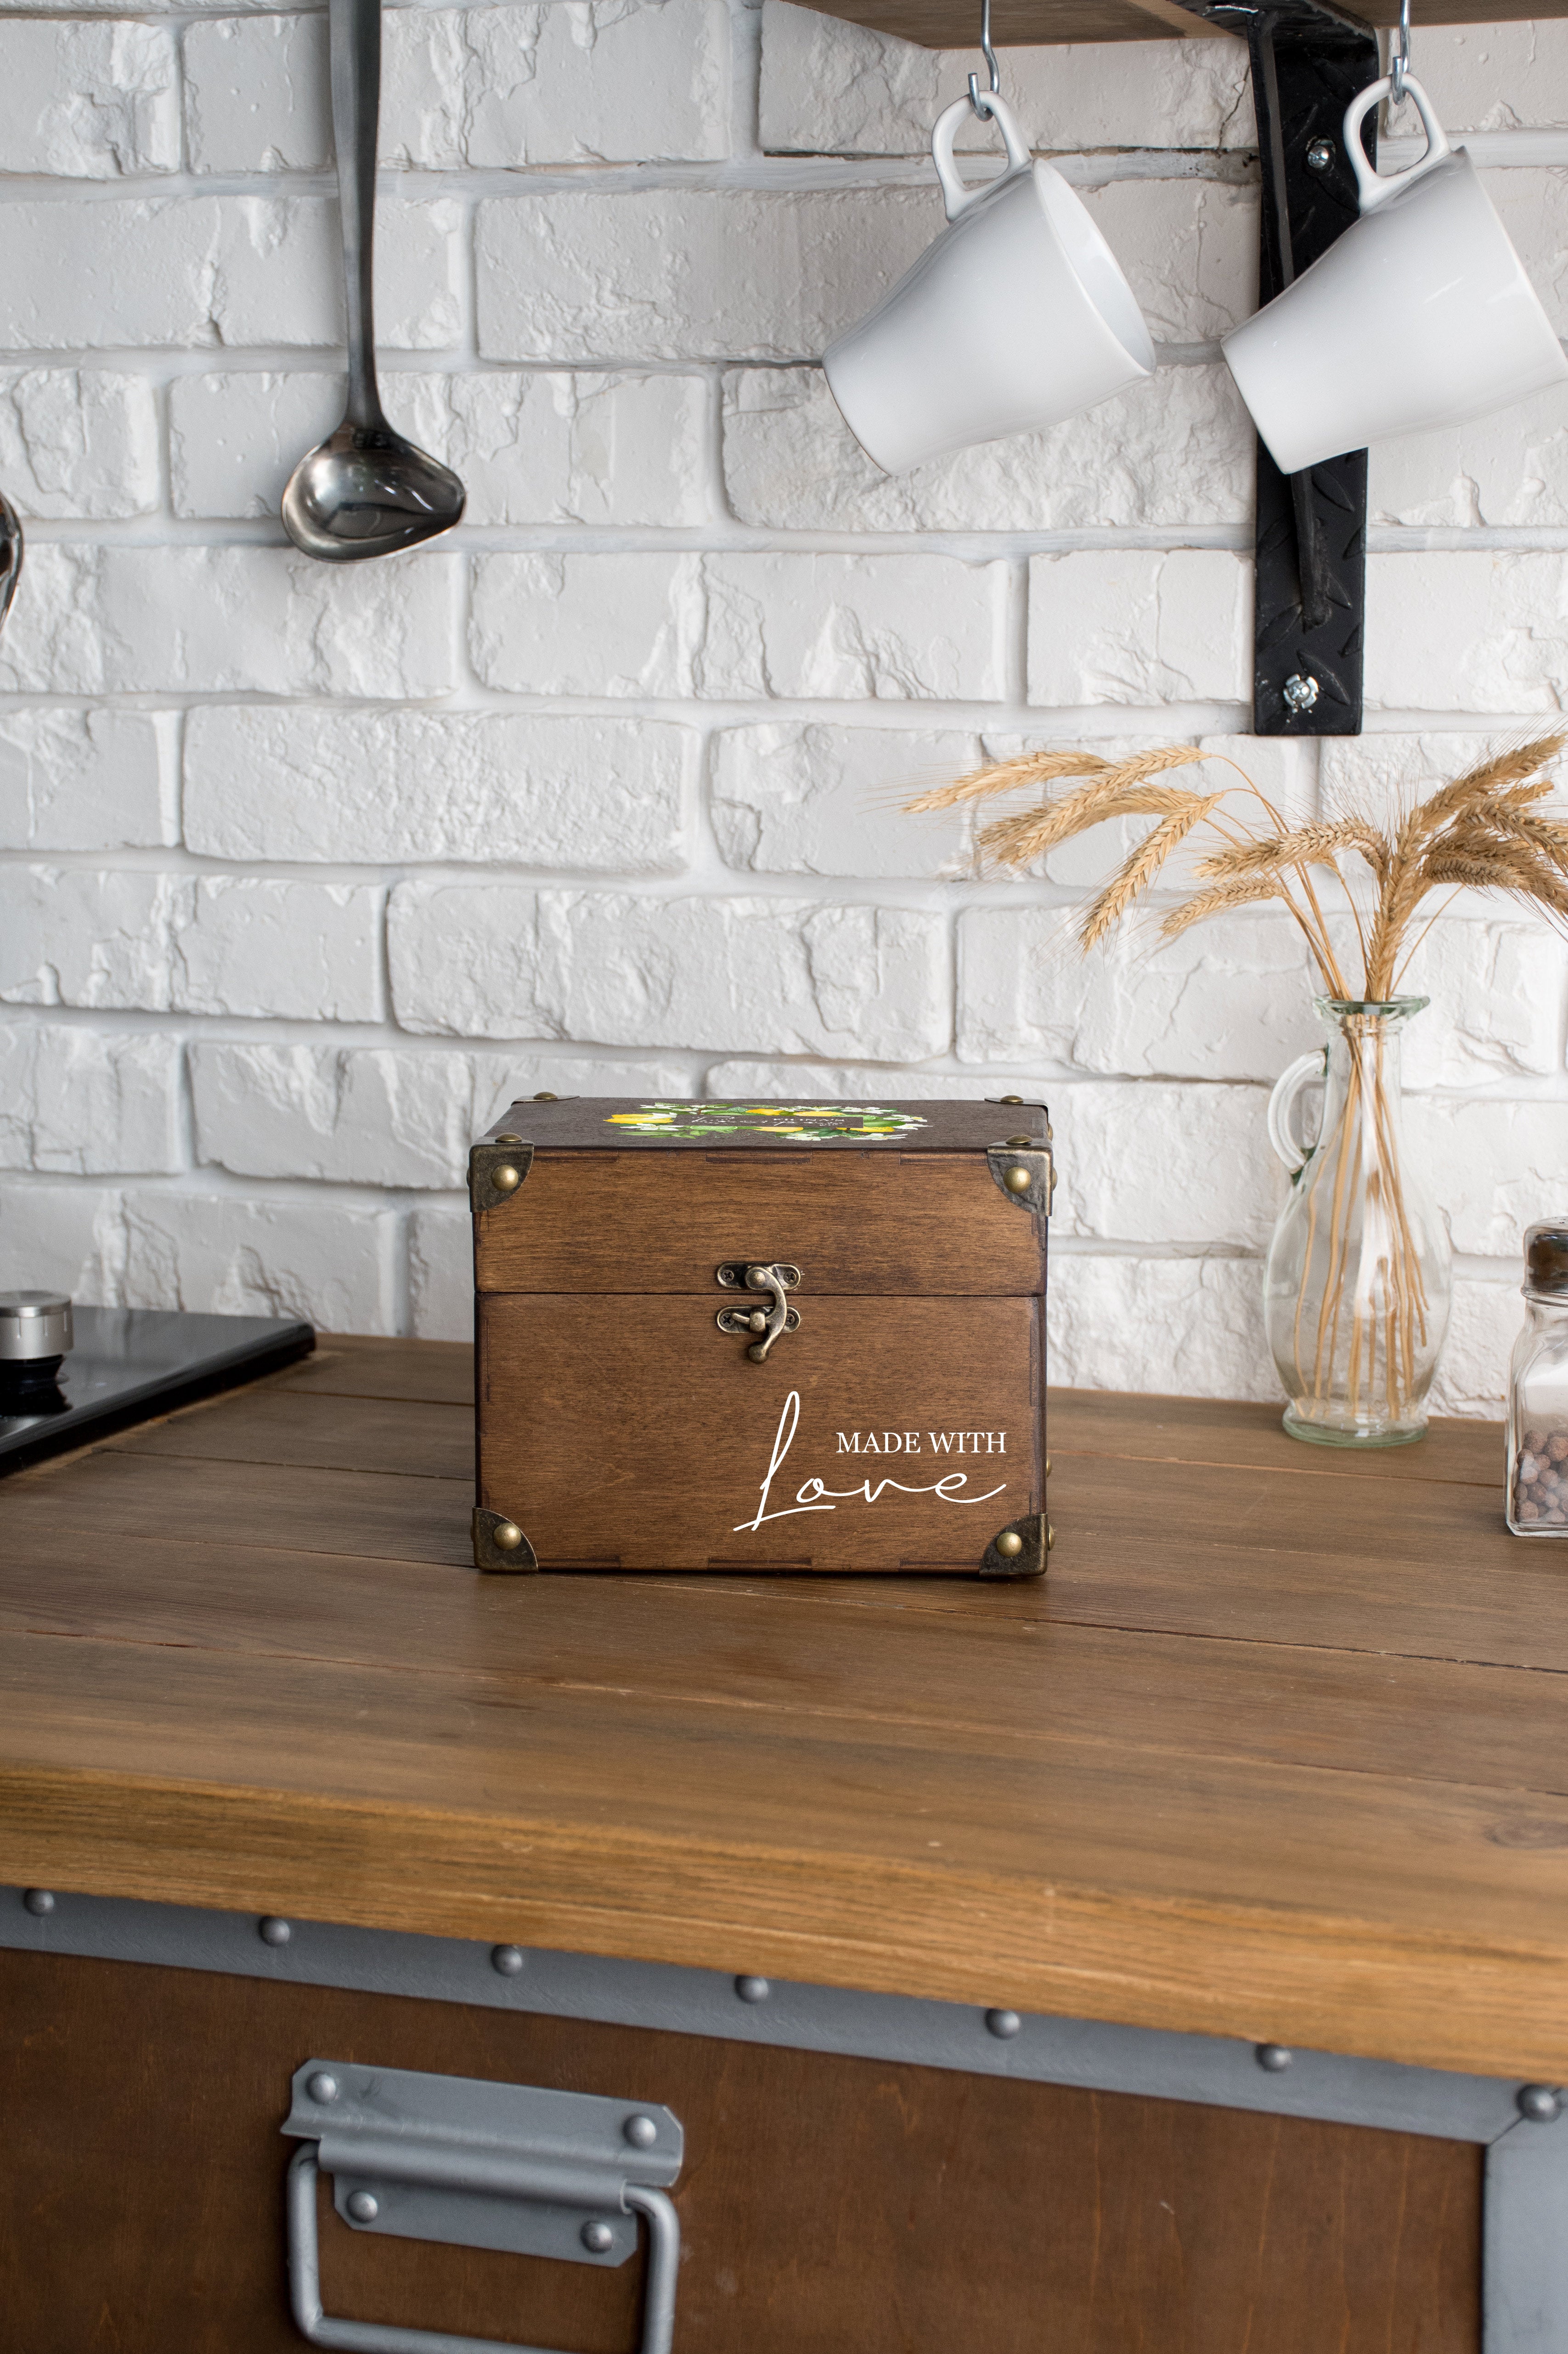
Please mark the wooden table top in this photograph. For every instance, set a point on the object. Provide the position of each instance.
(1280, 1749)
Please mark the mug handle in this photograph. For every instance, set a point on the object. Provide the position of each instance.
(955, 195)
(1282, 1102)
(1376, 185)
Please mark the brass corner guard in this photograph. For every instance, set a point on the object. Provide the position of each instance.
(496, 1171)
(1025, 1171)
(1020, 1549)
(500, 1545)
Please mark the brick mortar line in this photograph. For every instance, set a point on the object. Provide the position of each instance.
(726, 537)
(775, 172)
(761, 175)
(363, 1037)
(174, 363)
(209, 1181)
(1052, 723)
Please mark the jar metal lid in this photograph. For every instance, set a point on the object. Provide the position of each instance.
(1546, 1258)
(33, 1324)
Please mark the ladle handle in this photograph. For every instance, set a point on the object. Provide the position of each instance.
(356, 29)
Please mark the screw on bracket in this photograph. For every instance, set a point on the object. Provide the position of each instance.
(1300, 694)
(1320, 154)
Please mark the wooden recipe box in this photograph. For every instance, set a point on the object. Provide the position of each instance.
(780, 1336)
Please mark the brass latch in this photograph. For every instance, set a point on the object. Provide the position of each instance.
(767, 1322)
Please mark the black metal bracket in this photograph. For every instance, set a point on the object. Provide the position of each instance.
(1309, 61)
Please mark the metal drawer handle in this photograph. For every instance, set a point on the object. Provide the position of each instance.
(480, 2165)
(385, 2338)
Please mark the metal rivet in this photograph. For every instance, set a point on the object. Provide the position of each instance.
(598, 2237)
(544, 1096)
(273, 1932)
(506, 1959)
(1539, 2103)
(640, 2132)
(1002, 2024)
(507, 1535)
(1320, 154)
(756, 1321)
(1019, 1141)
(1018, 1181)
(39, 1900)
(1050, 1536)
(1300, 694)
(1010, 1099)
(1047, 1466)
(507, 1138)
(506, 1179)
(753, 1989)
(322, 2087)
(1275, 2057)
(1009, 1544)
(363, 2205)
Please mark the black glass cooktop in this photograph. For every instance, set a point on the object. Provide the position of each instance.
(130, 1363)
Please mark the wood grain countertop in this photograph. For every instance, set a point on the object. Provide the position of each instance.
(1280, 1749)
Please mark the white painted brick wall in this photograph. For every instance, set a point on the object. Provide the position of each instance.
(268, 781)
(472, 88)
(119, 619)
(545, 447)
(86, 778)
(306, 871)
(496, 961)
(91, 101)
(191, 272)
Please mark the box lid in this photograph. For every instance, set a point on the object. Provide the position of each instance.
(612, 1195)
(665, 1124)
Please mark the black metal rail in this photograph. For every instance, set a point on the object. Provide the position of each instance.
(1309, 61)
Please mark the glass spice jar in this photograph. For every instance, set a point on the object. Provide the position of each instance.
(1538, 1391)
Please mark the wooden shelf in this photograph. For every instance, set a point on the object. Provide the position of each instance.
(1022, 23)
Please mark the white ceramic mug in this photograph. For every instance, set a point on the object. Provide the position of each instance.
(1419, 315)
(1016, 317)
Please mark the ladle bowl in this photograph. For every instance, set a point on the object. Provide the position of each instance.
(365, 491)
(10, 553)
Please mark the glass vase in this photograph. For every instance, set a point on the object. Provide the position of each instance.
(1360, 1268)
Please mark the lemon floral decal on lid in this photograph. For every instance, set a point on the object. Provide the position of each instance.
(835, 1123)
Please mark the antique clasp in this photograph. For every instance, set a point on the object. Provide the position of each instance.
(775, 1277)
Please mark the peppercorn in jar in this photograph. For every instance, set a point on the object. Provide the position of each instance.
(1538, 1391)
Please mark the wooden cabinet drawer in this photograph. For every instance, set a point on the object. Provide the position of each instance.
(829, 2205)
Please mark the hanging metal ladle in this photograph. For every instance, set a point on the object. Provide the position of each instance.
(10, 555)
(365, 491)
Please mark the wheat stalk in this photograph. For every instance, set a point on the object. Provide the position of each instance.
(1002, 776)
(1005, 776)
(1015, 840)
(1216, 901)
(1491, 868)
(1308, 845)
(1138, 873)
